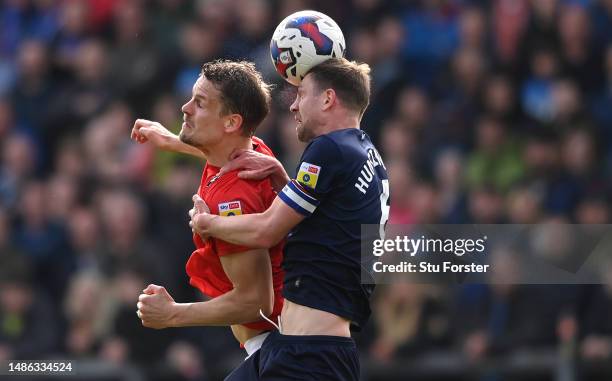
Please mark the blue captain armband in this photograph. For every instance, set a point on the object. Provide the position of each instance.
(294, 195)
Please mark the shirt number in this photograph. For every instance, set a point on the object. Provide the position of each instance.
(384, 208)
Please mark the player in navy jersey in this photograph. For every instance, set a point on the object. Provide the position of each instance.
(340, 184)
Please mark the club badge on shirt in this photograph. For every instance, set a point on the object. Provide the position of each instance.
(231, 208)
(308, 174)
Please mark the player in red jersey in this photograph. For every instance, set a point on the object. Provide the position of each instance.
(229, 101)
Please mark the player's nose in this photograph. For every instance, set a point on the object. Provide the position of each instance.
(294, 106)
(186, 109)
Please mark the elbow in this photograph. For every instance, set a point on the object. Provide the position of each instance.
(261, 242)
(267, 303)
(256, 303)
(266, 237)
(266, 306)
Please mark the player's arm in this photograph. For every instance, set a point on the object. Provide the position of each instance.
(261, 230)
(149, 131)
(292, 205)
(320, 169)
(257, 166)
(251, 275)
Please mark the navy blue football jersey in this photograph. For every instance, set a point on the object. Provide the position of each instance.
(341, 183)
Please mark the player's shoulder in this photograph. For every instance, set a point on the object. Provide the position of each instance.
(230, 187)
(341, 145)
(260, 146)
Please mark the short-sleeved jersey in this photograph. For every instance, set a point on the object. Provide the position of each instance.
(341, 183)
(229, 195)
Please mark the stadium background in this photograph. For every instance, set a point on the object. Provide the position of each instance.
(485, 112)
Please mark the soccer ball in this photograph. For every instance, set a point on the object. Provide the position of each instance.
(303, 40)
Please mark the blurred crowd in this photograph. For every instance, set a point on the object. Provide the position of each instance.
(485, 112)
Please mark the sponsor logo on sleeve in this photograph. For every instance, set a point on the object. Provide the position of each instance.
(308, 174)
(232, 208)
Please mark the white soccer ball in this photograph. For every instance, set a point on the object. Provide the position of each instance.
(303, 40)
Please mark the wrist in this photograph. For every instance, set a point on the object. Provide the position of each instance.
(204, 223)
(279, 177)
(177, 315)
(173, 143)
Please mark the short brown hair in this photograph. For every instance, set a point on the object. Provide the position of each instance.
(349, 79)
(243, 91)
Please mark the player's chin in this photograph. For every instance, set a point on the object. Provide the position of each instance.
(302, 134)
(184, 135)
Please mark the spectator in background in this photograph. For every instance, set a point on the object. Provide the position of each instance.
(398, 141)
(597, 330)
(457, 110)
(496, 160)
(6, 118)
(485, 205)
(33, 91)
(400, 184)
(541, 32)
(23, 334)
(7, 248)
(508, 21)
(251, 38)
(524, 205)
(409, 319)
(581, 60)
(130, 342)
(85, 239)
(593, 209)
(73, 30)
(424, 203)
(499, 100)
(473, 30)
(449, 176)
(199, 43)
(19, 159)
(43, 240)
(601, 101)
(134, 63)
(123, 222)
(88, 308)
(389, 37)
(536, 92)
(82, 98)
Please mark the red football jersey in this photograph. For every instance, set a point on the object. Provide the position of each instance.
(229, 195)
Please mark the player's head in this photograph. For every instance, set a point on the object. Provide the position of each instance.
(229, 98)
(331, 87)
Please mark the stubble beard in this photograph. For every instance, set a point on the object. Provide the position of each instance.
(304, 135)
(186, 139)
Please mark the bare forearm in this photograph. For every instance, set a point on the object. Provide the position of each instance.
(246, 230)
(227, 309)
(178, 146)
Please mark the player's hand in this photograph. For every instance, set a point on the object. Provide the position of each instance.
(156, 308)
(199, 215)
(256, 166)
(149, 131)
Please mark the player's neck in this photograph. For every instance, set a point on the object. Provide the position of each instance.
(219, 155)
(339, 122)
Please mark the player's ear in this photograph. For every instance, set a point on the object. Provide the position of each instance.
(233, 122)
(329, 98)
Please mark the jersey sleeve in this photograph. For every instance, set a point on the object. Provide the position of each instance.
(237, 198)
(319, 172)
